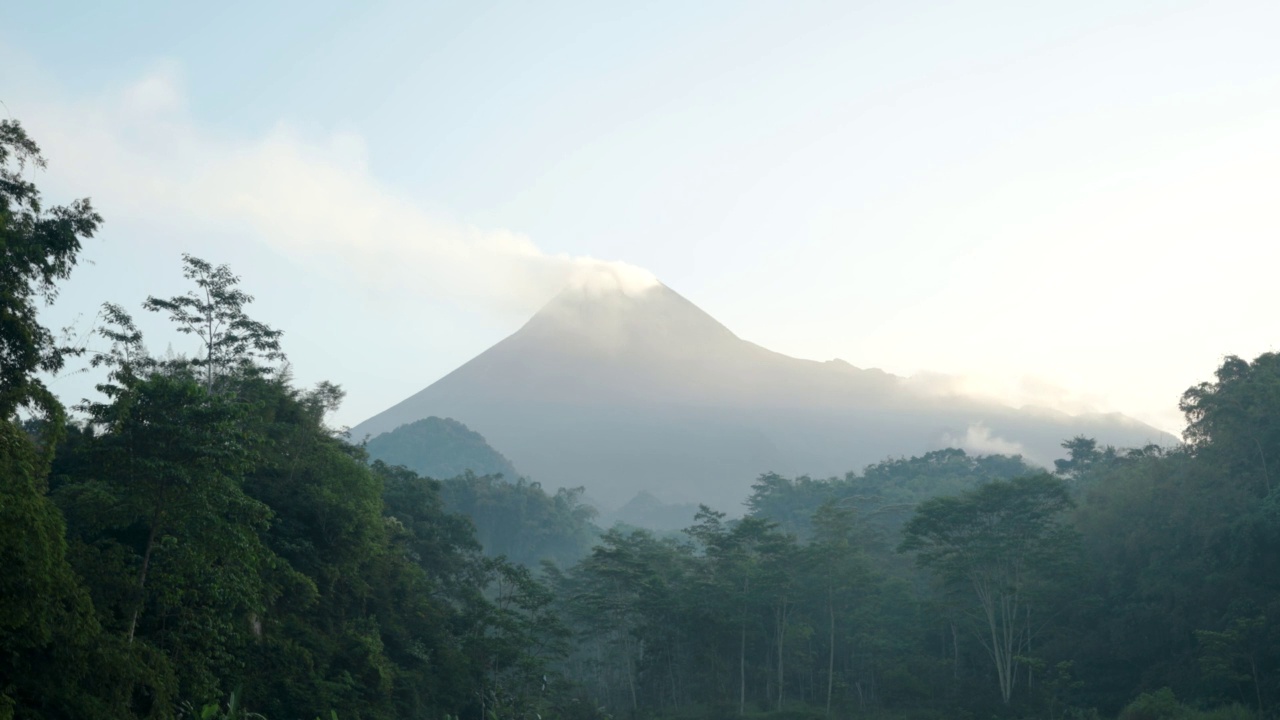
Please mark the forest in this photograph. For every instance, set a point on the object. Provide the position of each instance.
(197, 541)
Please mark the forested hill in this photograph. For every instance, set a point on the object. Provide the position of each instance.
(439, 448)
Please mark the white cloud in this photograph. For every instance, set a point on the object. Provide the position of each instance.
(311, 199)
(979, 439)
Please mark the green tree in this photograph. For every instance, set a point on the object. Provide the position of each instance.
(38, 247)
(50, 649)
(1083, 456)
(840, 574)
(159, 518)
(1000, 540)
(750, 572)
(1236, 420)
(232, 342)
(1233, 655)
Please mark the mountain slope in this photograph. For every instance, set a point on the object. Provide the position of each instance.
(621, 391)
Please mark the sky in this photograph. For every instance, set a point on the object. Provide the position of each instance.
(1070, 205)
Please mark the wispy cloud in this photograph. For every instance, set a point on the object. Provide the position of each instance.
(312, 199)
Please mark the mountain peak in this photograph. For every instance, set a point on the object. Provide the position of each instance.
(616, 313)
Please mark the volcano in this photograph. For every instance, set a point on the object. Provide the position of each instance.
(628, 389)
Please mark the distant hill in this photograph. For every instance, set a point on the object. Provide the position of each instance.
(621, 390)
(439, 448)
(648, 512)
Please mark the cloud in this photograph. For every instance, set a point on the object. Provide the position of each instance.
(978, 439)
(311, 199)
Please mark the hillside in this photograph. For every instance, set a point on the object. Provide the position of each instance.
(440, 448)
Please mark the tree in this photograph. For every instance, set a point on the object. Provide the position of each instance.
(791, 503)
(49, 638)
(214, 312)
(1083, 456)
(1234, 419)
(840, 572)
(38, 247)
(160, 519)
(1000, 540)
(1232, 655)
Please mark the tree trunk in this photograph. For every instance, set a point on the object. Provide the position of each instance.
(1257, 686)
(1266, 476)
(1000, 611)
(782, 639)
(955, 653)
(742, 656)
(142, 578)
(1030, 669)
(671, 675)
(742, 671)
(831, 648)
(631, 680)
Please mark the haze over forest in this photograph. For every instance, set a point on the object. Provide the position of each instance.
(675, 361)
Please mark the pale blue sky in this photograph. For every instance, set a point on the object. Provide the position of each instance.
(1068, 204)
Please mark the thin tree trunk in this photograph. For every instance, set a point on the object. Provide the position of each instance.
(782, 639)
(1002, 632)
(742, 671)
(831, 648)
(742, 656)
(671, 675)
(1266, 476)
(955, 653)
(1257, 688)
(142, 577)
(631, 681)
(1030, 668)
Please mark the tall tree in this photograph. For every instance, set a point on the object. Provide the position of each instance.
(232, 342)
(1000, 540)
(158, 498)
(839, 572)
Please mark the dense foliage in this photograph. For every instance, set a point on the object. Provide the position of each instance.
(198, 542)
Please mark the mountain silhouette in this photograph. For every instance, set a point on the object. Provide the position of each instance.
(622, 390)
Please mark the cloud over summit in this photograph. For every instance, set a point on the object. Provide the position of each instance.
(147, 160)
